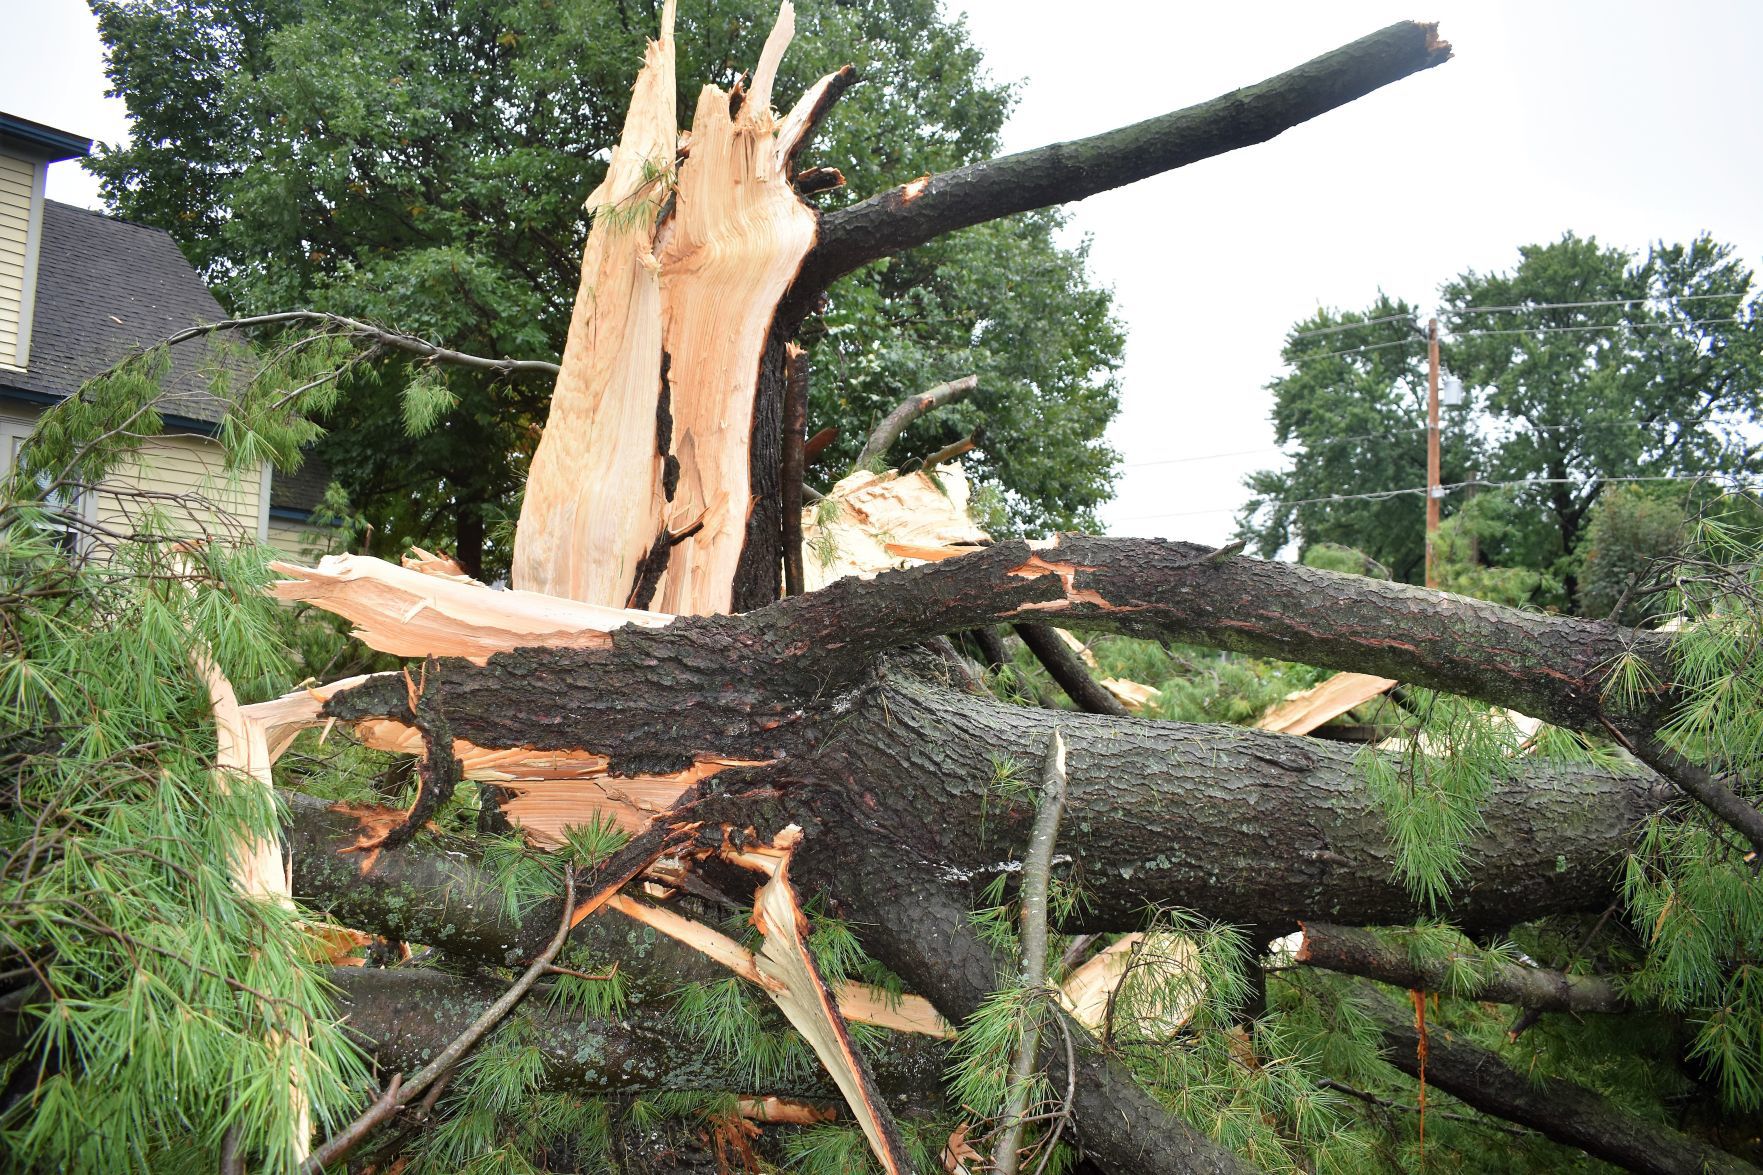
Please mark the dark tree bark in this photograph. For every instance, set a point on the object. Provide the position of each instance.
(1068, 669)
(1359, 952)
(1558, 1109)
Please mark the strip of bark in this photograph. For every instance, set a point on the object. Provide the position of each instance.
(1359, 952)
(908, 410)
(1558, 1109)
(924, 209)
(1066, 668)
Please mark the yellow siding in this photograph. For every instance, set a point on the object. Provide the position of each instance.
(296, 541)
(228, 505)
(17, 177)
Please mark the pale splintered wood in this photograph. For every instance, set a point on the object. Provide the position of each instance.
(1164, 966)
(1305, 710)
(594, 494)
(812, 1010)
(857, 1001)
(242, 759)
(875, 522)
(701, 288)
(409, 613)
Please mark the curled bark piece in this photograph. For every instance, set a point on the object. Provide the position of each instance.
(811, 1008)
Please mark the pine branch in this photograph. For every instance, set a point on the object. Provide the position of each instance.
(1359, 952)
(379, 336)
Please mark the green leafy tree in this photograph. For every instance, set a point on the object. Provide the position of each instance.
(425, 165)
(1353, 407)
(1584, 365)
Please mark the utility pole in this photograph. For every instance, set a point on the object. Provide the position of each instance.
(1433, 492)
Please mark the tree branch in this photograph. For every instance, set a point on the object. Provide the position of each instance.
(908, 410)
(1066, 668)
(353, 328)
(927, 208)
(1558, 1109)
(1359, 952)
(399, 1092)
(1037, 875)
(408, 1015)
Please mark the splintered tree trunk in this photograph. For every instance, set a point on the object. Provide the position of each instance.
(641, 492)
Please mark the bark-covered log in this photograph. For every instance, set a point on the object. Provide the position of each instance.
(1558, 1109)
(930, 207)
(1243, 825)
(1353, 951)
(407, 1016)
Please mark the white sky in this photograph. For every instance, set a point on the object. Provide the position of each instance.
(1630, 121)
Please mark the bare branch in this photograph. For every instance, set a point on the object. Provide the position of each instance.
(927, 208)
(1069, 671)
(1037, 869)
(353, 328)
(908, 410)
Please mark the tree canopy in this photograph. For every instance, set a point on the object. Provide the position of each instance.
(1584, 366)
(426, 164)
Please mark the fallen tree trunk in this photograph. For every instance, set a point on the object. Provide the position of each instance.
(407, 1016)
(1558, 1109)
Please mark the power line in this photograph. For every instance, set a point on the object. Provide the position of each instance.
(1383, 495)
(1420, 340)
(1531, 306)
(1310, 446)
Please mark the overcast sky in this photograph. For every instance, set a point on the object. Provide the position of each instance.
(1630, 121)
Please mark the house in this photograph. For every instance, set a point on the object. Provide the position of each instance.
(80, 291)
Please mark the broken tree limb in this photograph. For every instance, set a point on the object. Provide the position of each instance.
(1190, 815)
(1037, 876)
(1558, 1109)
(1069, 671)
(882, 437)
(1359, 952)
(407, 1015)
(399, 1092)
(927, 208)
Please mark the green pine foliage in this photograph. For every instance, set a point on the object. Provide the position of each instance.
(158, 1006)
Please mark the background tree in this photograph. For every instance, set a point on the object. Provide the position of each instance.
(1584, 365)
(427, 163)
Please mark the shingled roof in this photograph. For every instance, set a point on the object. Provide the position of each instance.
(106, 287)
